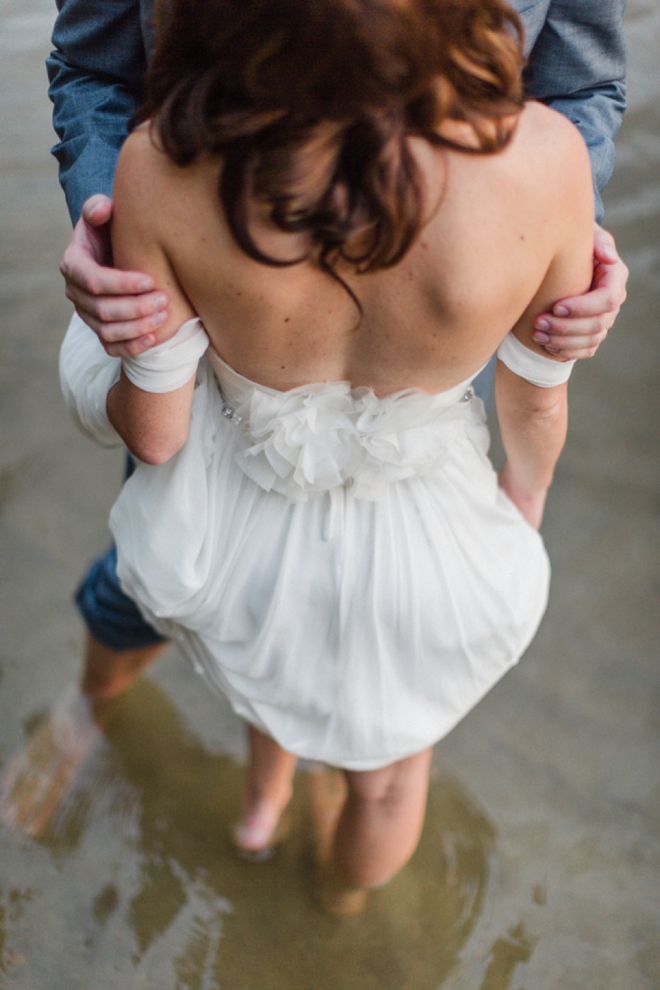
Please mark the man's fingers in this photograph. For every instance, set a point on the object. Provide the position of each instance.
(82, 273)
(578, 324)
(601, 301)
(111, 333)
(574, 339)
(121, 309)
(604, 246)
(571, 353)
(113, 282)
(588, 327)
(607, 295)
(560, 345)
(601, 305)
(97, 210)
(131, 347)
(122, 331)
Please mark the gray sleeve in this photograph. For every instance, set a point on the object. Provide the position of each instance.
(96, 74)
(578, 66)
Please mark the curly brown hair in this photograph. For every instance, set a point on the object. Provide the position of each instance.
(309, 104)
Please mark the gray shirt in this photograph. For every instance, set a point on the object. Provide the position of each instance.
(576, 64)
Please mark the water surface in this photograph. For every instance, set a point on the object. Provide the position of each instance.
(538, 868)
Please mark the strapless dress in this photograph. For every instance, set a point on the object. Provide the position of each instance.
(343, 568)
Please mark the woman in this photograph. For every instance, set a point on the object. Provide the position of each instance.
(315, 186)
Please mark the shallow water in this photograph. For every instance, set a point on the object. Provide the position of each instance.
(538, 867)
(167, 902)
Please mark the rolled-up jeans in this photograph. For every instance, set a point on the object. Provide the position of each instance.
(114, 618)
(111, 616)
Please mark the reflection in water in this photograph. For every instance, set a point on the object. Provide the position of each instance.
(181, 894)
(105, 903)
(507, 952)
(37, 783)
(11, 911)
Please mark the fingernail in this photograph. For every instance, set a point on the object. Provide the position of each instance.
(160, 302)
(608, 251)
(552, 350)
(542, 325)
(145, 285)
(561, 311)
(158, 319)
(541, 338)
(147, 341)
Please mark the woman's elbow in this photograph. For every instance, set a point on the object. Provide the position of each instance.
(547, 403)
(156, 450)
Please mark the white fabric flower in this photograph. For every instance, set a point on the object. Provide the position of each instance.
(303, 442)
(307, 441)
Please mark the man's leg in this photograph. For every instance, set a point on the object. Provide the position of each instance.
(108, 672)
(119, 641)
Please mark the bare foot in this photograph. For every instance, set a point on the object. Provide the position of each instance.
(109, 672)
(268, 790)
(257, 837)
(327, 795)
(39, 777)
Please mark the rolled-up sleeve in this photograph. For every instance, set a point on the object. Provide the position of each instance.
(578, 66)
(87, 374)
(96, 74)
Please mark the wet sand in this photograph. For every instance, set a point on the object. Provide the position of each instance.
(539, 864)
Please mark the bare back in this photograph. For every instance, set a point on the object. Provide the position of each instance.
(508, 234)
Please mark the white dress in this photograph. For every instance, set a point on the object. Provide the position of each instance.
(343, 568)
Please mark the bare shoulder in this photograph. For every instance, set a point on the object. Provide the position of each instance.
(552, 148)
(142, 170)
(142, 196)
(554, 155)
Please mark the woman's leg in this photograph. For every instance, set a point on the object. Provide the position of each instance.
(367, 829)
(381, 822)
(269, 789)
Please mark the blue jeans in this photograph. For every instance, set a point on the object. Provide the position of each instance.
(111, 616)
(114, 619)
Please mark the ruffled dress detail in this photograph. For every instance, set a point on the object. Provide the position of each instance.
(307, 441)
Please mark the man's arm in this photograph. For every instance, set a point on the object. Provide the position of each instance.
(577, 65)
(96, 75)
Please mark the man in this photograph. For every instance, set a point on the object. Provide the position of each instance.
(576, 64)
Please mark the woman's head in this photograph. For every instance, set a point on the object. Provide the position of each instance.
(310, 103)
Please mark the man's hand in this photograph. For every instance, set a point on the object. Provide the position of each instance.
(123, 308)
(578, 325)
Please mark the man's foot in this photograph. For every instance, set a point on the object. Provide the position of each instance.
(40, 776)
(108, 673)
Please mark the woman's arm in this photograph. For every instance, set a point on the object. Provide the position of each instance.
(533, 419)
(153, 425)
(533, 424)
